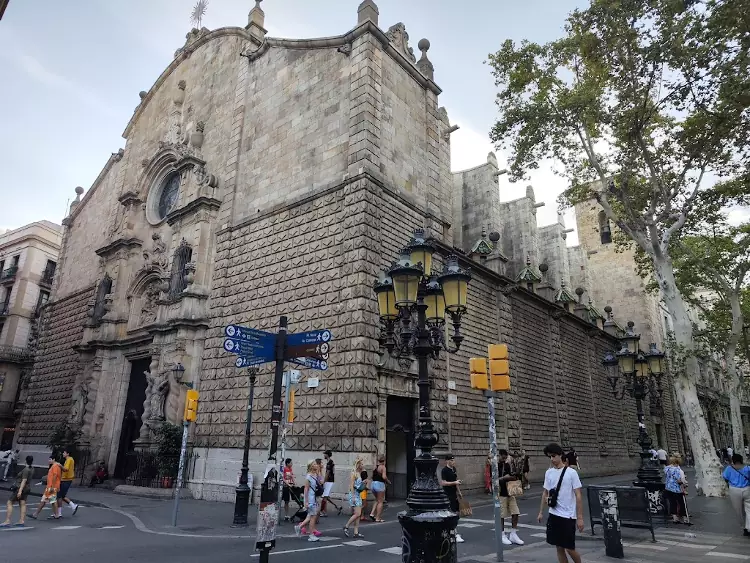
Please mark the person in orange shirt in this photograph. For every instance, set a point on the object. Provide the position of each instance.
(54, 476)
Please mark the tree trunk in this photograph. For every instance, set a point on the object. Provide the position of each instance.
(735, 382)
(707, 468)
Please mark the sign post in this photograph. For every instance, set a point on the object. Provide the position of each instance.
(254, 347)
(291, 378)
(191, 411)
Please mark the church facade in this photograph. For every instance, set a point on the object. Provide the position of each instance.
(264, 177)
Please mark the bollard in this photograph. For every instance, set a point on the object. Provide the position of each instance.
(611, 523)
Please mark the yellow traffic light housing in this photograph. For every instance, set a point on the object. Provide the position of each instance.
(478, 369)
(191, 405)
(499, 367)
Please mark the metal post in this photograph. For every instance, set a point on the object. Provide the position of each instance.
(265, 539)
(285, 419)
(242, 492)
(180, 471)
(495, 476)
(428, 526)
(611, 523)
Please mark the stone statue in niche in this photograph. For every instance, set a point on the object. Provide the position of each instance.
(80, 400)
(157, 255)
(157, 390)
(150, 302)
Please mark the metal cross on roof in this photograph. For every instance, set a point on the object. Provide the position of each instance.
(199, 10)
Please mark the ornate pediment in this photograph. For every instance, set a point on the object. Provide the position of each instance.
(397, 35)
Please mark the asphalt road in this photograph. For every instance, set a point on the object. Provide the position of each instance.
(111, 537)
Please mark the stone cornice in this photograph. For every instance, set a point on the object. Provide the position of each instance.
(340, 40)
(28, 238)
(129, 198)
(192, 207)
(116, 245)
(115, 157)
(505, 281)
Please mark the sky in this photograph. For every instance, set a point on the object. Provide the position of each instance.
(71, 72)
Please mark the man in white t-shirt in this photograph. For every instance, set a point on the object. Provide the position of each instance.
(661, 453)
(567, 513)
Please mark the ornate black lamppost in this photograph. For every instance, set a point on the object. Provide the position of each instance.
(408, 290)
(242, 492)
(642, 372)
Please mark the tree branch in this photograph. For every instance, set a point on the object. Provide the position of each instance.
(677, 225)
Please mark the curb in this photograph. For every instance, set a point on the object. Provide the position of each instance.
(83, 503)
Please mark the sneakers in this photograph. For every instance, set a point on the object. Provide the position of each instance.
(74, 506)
(459, 539)
(506, 541)
(313, 538)
(317, 533)
(514, 538)
(346, 531)
(358, 535)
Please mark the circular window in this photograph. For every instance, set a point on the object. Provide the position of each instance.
(168, 193)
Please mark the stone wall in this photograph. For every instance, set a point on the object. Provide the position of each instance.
(476, 204)
(554, 253)
(51, 386)
(519, 236)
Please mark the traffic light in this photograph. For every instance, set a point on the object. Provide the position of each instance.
(499, 367)
(290, 418)
(478, 369)
(191, 405)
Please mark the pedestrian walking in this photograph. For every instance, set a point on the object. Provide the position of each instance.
(363, 495)
(509, 503)
(330, 472)
(9, 458)
(288, 484)
(379, 479)
(562, 494)
(661, 455)
(50, 492)
(66, 480)
(311, 485)
(488, 475)
(19, 492)
(356, 486)
(675, 488)
(452, 486)
(526, 470)
(737, 477)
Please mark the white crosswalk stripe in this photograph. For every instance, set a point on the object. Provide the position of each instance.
(392, 550)
(359, 543)
(66, 527)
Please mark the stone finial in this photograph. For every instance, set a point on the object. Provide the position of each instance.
(142, 94)
(79, 193)
(367, 10)
(579, 293)
(255, 21)
(492, 159)
(77, 200)
(424, 65)
(530, 192)
(494, 237)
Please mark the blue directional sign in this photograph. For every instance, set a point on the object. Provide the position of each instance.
(243, 362)
(245, 333)
(263, 347)
(311, 337)
(312, 363)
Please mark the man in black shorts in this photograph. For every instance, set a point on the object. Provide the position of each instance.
(563, 484)
(451, 485)
(19, 493)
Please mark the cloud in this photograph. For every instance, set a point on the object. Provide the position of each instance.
(35, 70)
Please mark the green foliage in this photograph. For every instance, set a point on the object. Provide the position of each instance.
(65, 436)
(636, 102)
(168, 446)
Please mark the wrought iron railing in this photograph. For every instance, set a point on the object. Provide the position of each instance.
(47, 277)
(15, 354)
(147, 469)
(4, 310)
(8, 274)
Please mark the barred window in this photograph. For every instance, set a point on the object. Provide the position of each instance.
(178, 281)
(104, 289)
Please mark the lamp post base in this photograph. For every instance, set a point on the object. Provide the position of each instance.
(649, 477)
(428, 536)
(241, 506)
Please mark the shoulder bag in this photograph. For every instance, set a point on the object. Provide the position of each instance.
(515, 489)
(553, 494)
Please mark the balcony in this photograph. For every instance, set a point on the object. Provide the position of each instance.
(9, 275)
(16, 354)
(4, 310)
(47, 277)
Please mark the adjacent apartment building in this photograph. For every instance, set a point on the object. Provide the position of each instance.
(28, 258)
